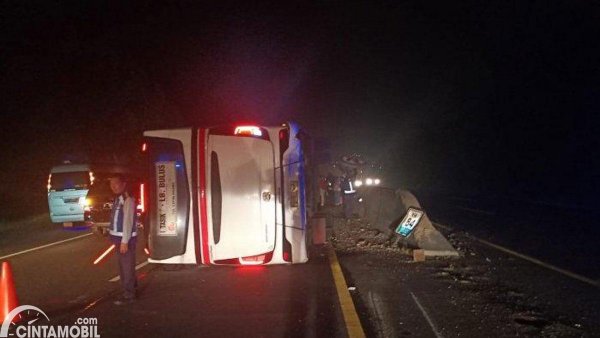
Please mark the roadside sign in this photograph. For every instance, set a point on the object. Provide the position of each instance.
(409, 222)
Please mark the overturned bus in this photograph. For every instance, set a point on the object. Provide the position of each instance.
(233, 195)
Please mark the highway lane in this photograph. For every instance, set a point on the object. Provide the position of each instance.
(564, 237)
(32, 231)
(392, 297)
(484, 294)
(276, 301)
(55, 271)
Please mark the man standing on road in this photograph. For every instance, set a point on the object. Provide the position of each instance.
(123, 236)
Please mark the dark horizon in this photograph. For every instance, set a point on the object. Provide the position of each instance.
(489, 99)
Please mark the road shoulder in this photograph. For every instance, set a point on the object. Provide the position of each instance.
(474, 295)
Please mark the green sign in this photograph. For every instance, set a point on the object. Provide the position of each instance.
(409, 222)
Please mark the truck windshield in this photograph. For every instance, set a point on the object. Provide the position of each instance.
(72, 180)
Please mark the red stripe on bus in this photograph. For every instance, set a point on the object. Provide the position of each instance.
(202, 193)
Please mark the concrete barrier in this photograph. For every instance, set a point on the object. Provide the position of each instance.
(383, 208)
(425, 235)
(380, 207)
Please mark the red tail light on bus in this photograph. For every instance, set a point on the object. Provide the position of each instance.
(142, 205)
(248, 131)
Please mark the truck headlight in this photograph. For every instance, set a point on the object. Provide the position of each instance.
(369, 181)
(377, 181)
(85, 202)
(358, 183)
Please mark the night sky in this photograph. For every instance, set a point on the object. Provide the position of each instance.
(469, 98)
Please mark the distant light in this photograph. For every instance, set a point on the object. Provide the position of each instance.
(377, 181)
(92, 177)
(248, 131)
(112, 247)
(369, 181)
(358, 183)
(147, 251)
(144, 147)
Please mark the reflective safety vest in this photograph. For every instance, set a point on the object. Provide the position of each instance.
(348, 188)
(117, 213)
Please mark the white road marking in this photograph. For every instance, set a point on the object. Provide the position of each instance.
(44, 246)
(477, 211)
(538, 262)
(137, 267)
(530, 259)
(433, 328)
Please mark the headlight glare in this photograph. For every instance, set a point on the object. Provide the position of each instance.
(85, 202)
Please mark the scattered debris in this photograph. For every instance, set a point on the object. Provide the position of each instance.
(475, 274)
(419, 255)
(355, 236)
(531, 318)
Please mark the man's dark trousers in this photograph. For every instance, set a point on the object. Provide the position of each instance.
(126, 266)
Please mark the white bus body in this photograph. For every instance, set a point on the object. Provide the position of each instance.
(226, 195)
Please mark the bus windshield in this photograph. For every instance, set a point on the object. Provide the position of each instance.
(76, 180)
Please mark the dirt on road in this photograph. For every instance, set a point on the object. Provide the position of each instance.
(483, 292)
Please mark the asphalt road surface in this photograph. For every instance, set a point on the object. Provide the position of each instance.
(560, 235)
(183, 301)
(486, 292)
